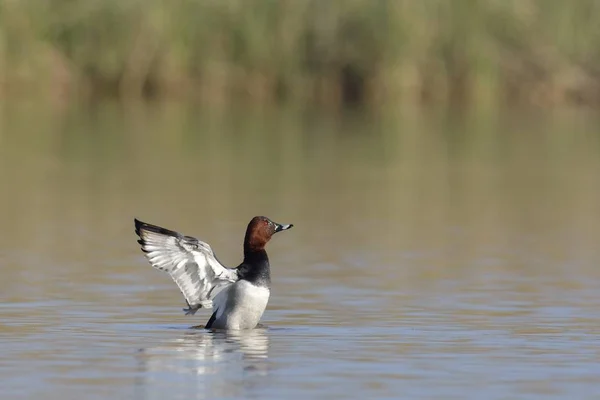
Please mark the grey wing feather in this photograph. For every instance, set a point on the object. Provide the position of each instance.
(190, 262)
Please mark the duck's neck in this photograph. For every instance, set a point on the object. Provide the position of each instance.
(255, 267)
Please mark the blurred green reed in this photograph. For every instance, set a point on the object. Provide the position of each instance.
(330, 52)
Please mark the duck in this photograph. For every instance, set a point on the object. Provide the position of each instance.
(238, 296)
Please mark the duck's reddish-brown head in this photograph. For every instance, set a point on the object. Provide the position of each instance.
(259, 232)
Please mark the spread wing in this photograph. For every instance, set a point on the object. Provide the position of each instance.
(190, 262)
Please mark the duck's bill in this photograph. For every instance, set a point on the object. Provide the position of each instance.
(280, 227)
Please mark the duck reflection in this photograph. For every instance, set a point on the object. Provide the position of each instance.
(203, 364)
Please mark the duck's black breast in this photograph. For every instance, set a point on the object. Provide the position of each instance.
(256, 269)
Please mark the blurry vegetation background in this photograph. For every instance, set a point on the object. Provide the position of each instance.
(330, 52)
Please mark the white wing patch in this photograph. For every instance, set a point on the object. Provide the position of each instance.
(190, 262)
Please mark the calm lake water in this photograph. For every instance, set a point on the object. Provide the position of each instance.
(434, 255)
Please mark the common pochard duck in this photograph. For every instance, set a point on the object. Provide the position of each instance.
(239, 296)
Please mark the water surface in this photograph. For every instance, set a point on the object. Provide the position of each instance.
(433, 255)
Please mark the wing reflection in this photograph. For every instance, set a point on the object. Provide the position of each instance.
(204, 364)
